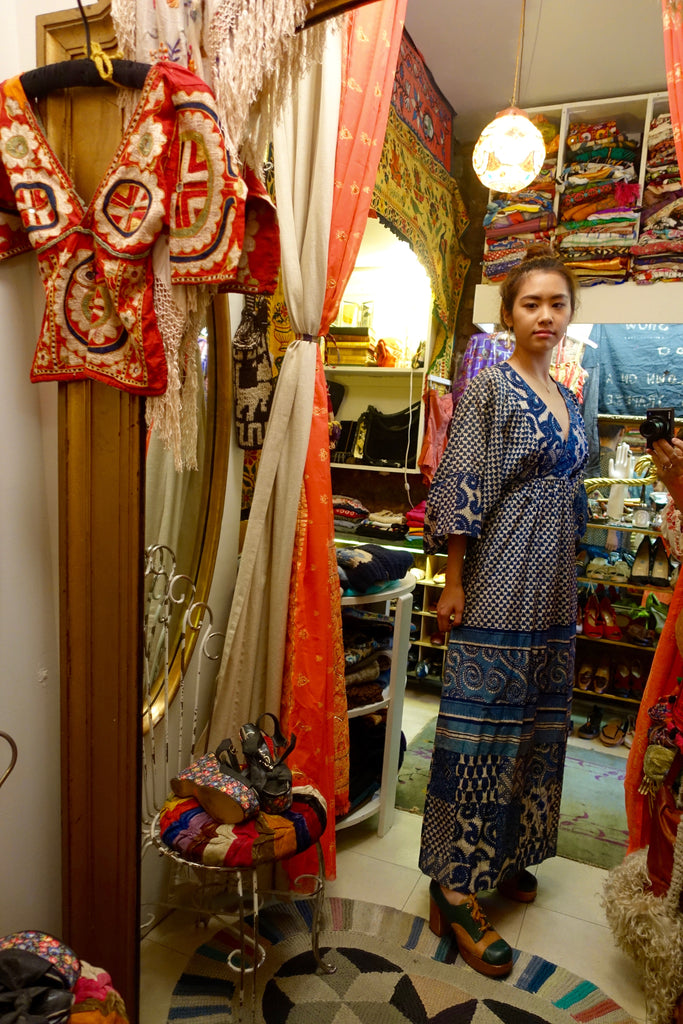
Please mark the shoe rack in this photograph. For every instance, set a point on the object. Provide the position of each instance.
(622, 608)
(428, 645)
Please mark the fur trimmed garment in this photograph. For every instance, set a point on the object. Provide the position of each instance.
(649, 929)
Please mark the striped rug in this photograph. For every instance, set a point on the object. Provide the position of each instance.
(390, 969)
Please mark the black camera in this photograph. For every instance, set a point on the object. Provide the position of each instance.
(658, 425)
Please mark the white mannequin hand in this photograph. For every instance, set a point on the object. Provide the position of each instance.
(620, 467)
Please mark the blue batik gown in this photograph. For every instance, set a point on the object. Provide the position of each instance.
(510, 481)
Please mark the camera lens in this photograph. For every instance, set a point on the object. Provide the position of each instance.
(652, 428)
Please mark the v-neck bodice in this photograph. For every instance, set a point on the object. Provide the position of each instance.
(170, 182)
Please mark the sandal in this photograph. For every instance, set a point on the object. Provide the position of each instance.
(591, 728)
(613, 733)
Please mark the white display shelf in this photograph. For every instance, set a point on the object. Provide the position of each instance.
(401, 595)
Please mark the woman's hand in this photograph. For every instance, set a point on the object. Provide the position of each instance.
(450, 607)
(668, 458)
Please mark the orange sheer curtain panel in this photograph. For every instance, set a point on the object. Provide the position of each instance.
(672, 18)
(372, 35)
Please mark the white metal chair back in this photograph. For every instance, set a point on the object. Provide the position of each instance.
(180, 647)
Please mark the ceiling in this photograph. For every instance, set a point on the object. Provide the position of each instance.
(576, 50)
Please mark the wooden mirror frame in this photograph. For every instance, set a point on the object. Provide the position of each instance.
(101, 561)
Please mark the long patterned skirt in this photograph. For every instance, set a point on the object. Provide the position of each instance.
(493, 799)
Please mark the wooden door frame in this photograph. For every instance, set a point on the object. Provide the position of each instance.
(101, 435)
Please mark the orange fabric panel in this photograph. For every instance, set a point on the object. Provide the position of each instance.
(372, 36)
(313, 690)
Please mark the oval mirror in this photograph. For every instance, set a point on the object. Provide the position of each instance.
(183, 514)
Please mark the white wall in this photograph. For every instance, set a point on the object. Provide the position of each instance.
(30, 819)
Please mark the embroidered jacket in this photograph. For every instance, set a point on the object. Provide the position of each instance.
(171, 174)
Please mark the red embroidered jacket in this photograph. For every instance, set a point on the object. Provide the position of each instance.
(170, 175)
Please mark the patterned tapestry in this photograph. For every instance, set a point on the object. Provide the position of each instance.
(418, 102)
(415, 194)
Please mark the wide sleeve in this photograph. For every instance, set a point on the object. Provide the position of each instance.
(13, 238)
(467, 480)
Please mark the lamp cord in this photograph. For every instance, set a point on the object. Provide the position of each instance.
(520, 47)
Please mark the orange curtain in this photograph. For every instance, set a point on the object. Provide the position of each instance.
(372, 37)
(314, 698)
(672, 18)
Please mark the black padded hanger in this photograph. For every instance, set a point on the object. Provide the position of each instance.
(69, 73)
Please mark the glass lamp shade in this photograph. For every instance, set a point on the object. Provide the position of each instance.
(509, 153)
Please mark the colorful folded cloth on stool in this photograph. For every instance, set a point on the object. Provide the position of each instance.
(185, 827)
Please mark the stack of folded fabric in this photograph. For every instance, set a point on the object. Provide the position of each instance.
(598, 216)
(370, 568)
(391, 525)
(415, 519)
(658, 256)
(367, 665)
(349, 513)
(514, 222)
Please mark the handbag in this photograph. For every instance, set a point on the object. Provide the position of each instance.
(390, 439)
(265, 755)
(223, 791)
(665, 821)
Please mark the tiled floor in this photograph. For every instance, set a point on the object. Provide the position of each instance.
(566, 923)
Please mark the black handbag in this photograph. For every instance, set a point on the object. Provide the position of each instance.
(265, 769)
(390, 439)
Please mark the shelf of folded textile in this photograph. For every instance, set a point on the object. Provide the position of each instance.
(514, 222)
(376, 629)
(658, 255)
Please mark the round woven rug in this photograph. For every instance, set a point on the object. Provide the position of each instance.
(390, 970)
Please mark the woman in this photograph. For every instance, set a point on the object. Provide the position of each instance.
(667, 664)
(508, 493)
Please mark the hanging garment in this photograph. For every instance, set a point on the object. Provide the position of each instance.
(172, 173)
(438, 415)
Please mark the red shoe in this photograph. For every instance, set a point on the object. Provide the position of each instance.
(592, 623)
(610, 629)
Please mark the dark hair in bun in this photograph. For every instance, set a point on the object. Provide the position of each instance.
(537, 257)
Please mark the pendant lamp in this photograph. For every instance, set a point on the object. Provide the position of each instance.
(510, 151)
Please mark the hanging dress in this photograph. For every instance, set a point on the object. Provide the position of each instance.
(512, 483)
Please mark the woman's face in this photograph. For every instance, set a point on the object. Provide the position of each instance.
(541, 311)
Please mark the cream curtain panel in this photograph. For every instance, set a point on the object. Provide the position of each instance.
(304, 142)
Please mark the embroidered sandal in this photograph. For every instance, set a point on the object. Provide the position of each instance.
(478, 944)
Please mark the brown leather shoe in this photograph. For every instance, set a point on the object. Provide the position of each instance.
(522, 887)
(478, 944)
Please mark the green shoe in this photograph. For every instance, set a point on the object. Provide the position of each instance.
(478, 944)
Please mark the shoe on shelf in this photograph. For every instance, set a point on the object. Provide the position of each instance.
(622, 680)
(642, 563)
(610, 629)
(660, 566)
(630, 732)
(613, 733)
(591, 727)
(601, 677)
(584, 676)
(521, 886)
(479, 944)
(592, 623)
(637, 687)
